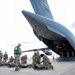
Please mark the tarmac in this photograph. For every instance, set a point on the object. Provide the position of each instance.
(60, 68)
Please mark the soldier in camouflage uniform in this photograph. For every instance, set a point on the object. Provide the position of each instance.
(1, 55)
(11, 60)
(5, 57)
(46, 62)
(17, 53)
(36, 58)
(24, 59)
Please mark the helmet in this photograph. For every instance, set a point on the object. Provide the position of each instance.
(19, 44)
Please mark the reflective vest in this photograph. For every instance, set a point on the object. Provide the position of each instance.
(16, 50)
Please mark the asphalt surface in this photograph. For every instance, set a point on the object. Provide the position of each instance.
(60, 68)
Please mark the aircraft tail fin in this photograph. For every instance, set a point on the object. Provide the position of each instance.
(41, 7)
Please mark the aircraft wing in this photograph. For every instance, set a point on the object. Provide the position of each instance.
(45, 50)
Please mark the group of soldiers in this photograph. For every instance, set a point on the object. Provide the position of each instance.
(5, 60)
(41, 64)
(39, 61)
(3, 57)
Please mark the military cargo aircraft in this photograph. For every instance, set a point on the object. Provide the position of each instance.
(53, 34)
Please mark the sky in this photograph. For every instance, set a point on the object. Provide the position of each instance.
(15, 29)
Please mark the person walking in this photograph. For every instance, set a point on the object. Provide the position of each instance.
(17, 53)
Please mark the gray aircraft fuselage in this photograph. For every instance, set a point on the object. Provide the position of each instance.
(54, 35)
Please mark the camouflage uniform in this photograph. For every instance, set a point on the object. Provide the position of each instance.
(36, 58)
(24, 59)
(5, 57)
(11, 59)
(17, 58)
(1, 57)
(46, 63)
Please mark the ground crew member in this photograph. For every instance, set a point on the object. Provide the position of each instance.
(1, 55)
(5, 57)
(17, 53)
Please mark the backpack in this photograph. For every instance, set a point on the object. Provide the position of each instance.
(16, 50)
